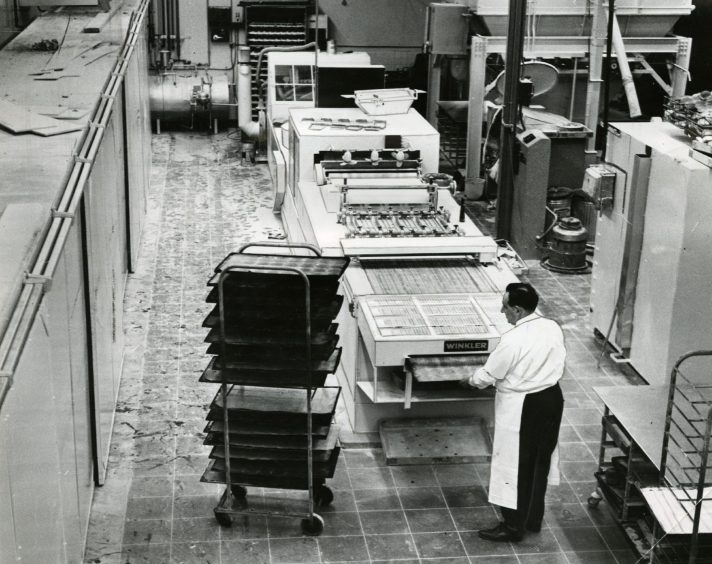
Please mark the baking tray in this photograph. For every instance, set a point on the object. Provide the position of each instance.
(215, 474)
(252, 313)
(277, 378)
(278, 406)
(238, 454)
(279, 468)
(272, 429)
(323, 344)
(288, 443)
(275, 364)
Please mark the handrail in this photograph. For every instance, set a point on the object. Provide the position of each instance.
(39, 278)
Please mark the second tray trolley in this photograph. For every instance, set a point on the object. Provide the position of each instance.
(274, 341)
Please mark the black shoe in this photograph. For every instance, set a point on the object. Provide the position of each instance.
(500, 533)
(533, 528)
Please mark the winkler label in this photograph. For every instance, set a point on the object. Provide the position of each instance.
(465, 346)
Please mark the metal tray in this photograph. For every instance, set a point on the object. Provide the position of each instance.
(278, 468)
(273, 429)
(323, 344)
(254, 314)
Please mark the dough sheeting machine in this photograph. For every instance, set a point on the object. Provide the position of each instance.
(422, 294)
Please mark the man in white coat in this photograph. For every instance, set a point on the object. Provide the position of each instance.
(525, 368)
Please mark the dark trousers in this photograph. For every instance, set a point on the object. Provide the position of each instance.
(538, 435)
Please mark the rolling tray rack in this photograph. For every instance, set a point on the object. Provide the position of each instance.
(274, 342)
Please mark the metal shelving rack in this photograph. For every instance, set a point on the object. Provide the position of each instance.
(234, 499)
(682, 504)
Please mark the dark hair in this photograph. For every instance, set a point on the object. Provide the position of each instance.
(523, 295)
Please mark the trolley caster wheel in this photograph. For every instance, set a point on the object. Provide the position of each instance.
(594, 499)
(223, 519)
(323, 496)
(313, 526)
(240, 492)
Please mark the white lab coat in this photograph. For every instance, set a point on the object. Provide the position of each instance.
(529, 358)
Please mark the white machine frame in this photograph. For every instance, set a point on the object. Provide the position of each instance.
(310, 213)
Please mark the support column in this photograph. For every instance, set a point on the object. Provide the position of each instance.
(510, 111)
(474, 185)
(434, 72)
(593, 91)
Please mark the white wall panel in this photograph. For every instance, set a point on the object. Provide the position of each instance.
(106, 232)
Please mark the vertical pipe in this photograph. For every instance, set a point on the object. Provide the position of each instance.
(510, 112)
(593, 91)
(573, 90)
(164, 23)
(607, 75)
(177, 28)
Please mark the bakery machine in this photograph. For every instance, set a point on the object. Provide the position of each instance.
(652, 262)
(422, 296)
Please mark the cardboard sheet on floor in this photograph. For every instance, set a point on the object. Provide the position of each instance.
(435, 440)
(19, 119)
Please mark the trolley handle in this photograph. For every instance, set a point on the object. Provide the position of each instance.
(307, 246)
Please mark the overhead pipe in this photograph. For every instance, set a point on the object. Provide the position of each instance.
(626, 76)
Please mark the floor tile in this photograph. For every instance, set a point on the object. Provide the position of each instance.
(371, 478)
(474, 518)
(421, 498)
(385, 547)
(579, 539)
(429, 520)
(376, 499)
(192, 552)
(591, 557)
(149, 508)
(465, 496)
(566, 515)
(456, 474)
(540, 542)
(200, 529)
(245, 552)
(414, 476)
(502, 559)
(543, 558)
(245, 527)
(147, 531)
(432, 545)
(342, 549)
(342, 523)
(303, 549)
(384, 522)
(145, 554)
(475, 546)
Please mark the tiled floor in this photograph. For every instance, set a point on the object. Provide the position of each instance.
(154, 509)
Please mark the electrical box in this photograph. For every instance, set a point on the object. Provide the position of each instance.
(599, 182)
(238, 12)
(448, 28)
(219, 23)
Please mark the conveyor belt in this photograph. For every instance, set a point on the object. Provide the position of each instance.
(426, 276)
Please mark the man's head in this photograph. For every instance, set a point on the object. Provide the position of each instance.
(518, 301)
